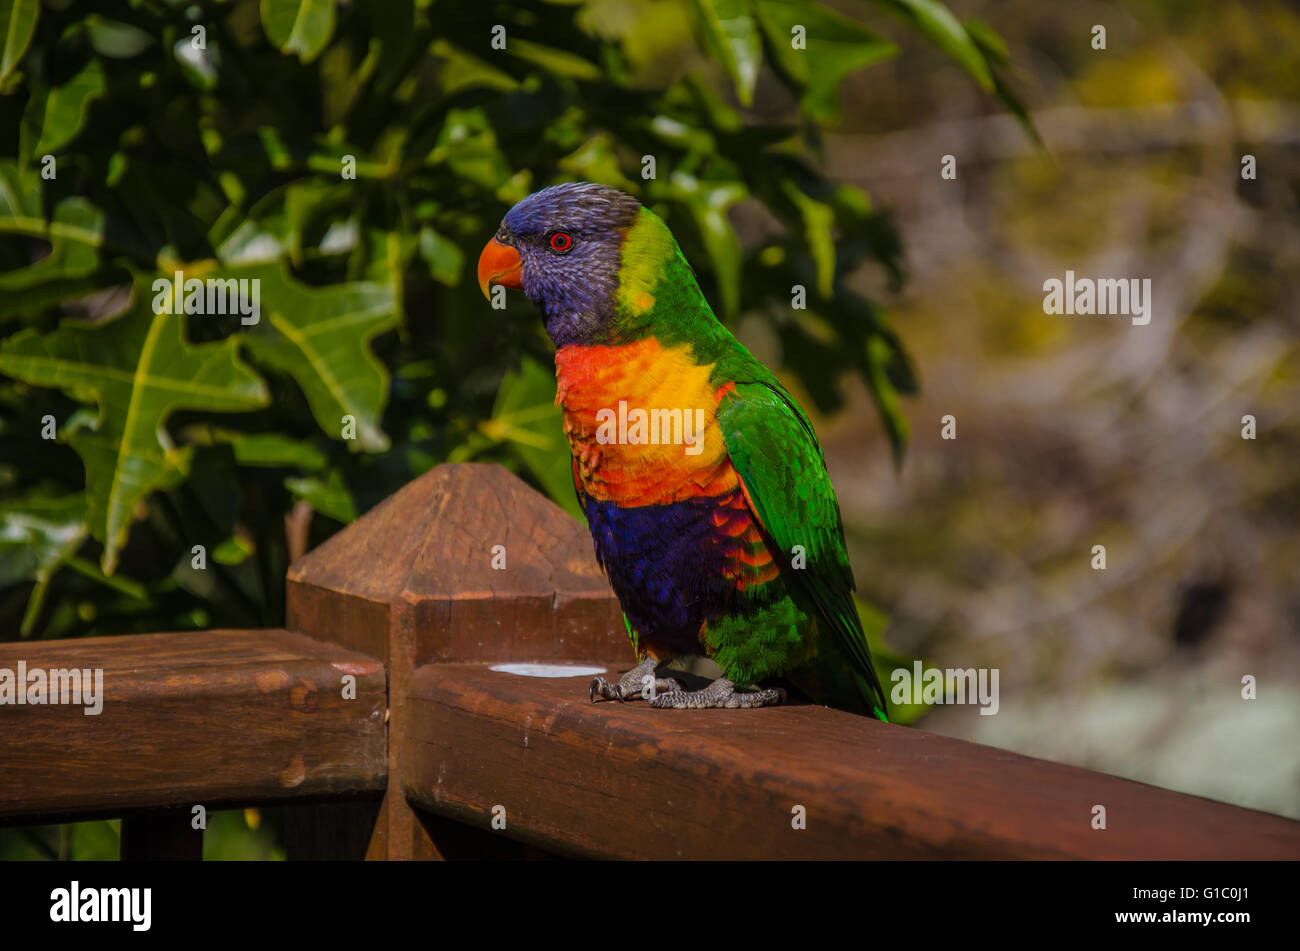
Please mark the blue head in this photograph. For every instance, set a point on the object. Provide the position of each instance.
(563, 246)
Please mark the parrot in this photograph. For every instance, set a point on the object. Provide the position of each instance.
(702, 480)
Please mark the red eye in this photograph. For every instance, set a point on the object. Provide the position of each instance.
(560, 241)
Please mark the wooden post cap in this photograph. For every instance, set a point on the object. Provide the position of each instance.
(465, 564)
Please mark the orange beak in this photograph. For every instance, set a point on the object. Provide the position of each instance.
(499, 264)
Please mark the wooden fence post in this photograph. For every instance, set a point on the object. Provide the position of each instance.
(467, 564)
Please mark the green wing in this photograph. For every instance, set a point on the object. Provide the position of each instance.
(775, 451)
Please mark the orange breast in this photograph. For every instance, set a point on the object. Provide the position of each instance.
(641, 421)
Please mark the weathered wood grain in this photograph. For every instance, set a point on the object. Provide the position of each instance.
(206, 718)
(626, 781)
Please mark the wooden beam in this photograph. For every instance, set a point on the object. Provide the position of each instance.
(616, 780)
(211, 718)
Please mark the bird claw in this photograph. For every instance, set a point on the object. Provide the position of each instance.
(607, 690)
(631, 688)
(721, 694)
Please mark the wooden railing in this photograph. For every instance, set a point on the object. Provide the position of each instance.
(377, 715)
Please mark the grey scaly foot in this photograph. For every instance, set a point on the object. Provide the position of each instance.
(632, 685)
(722, 693)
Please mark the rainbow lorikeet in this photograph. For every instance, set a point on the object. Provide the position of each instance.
(701, 478)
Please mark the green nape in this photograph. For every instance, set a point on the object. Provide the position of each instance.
(659, 296)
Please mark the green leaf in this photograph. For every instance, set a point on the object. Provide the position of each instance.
(287, 155)
(114, 39)
(392, 26)
(880, 357)
(17, 24)
(995, 52)
(678, 133)
(249, 243)
(263, 449)
(835, 46)
(96, 841)
(818, 218)
(75, 234)
(731, 33)
(708, 202)
(445, 258)
(525, 416)
(38, 535)
(54, 116)
(235, 550)
(936, 23)
(330, 497)
(320, 337)
(991, 45)
(300, 27)
(138, 369)
(468, 145)
(597, 161)
(460, 71)
(554, 61)
(202, 67)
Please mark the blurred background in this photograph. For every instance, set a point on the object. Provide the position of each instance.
(1079, 431)
(774, 168)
